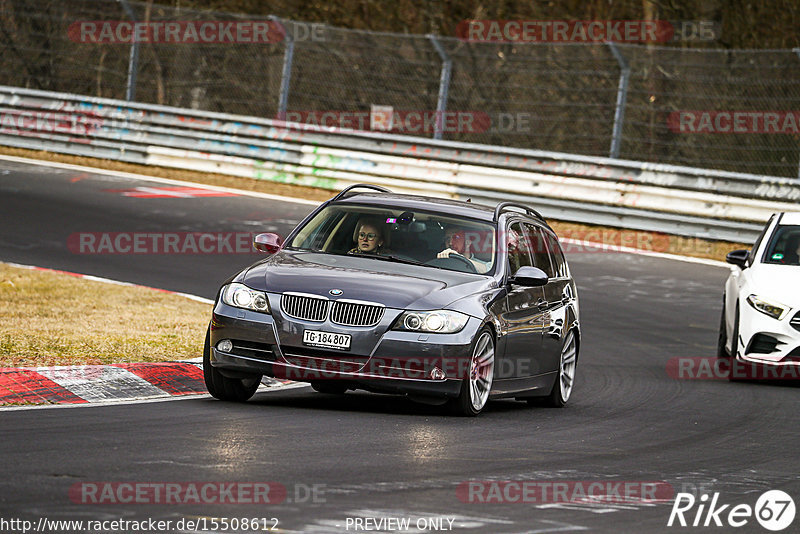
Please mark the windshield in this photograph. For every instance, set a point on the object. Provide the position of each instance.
(784, 247)
(430, 239)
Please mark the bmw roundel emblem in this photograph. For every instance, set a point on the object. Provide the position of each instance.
(335, 292)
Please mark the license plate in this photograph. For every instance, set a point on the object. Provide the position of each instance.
(328, 340)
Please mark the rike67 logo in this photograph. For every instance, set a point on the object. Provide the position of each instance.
(774, 510)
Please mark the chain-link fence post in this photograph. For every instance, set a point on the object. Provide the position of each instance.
(622, 96)
(286, 73)
(133, 59)
(444, 86)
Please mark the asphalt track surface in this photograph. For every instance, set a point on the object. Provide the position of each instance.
(383, 456)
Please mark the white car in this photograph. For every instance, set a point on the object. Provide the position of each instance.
(760, 324)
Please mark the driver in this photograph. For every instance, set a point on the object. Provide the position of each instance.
(455, 242)
(792, 250)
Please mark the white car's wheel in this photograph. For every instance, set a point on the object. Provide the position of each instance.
(734, 374)
(722, 338)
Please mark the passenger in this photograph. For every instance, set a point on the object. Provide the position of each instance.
(455, 242)
(369, 238)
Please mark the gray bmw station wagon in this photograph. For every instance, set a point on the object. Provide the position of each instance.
(441, 300)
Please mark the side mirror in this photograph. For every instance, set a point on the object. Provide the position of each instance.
(269, 243)
(738, 258)
(528, 276)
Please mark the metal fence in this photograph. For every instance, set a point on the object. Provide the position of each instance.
(593, 99)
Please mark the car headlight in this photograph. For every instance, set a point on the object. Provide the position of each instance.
(436, 321)
(771, 308)
(241, 296)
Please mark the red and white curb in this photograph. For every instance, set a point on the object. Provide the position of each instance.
(121, 382)
(83, 384)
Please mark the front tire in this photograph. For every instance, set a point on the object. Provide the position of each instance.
(477, 385)
(735, 361)
(222, 387)
(722, 339)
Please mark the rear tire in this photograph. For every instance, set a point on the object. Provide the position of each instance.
(476, 386)
(222, 387)
(567, 367)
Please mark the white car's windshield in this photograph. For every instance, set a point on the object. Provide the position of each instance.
(436, 240)
(784, 247)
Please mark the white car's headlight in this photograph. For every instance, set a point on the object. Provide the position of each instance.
(436, 321)
(241, 296)
(774, 309)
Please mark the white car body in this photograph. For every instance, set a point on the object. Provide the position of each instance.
(765, 294)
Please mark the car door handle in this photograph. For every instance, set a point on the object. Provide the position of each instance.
(541, 304)
(565, 299)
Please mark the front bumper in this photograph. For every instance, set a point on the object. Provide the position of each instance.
(768, 341)
(381, 360)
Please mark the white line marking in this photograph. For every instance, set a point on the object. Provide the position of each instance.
(155, 179)
(642, 252)
(109, 281)
(132, 176)
(147, 400)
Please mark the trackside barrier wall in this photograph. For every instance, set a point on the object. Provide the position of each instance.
(628, 194)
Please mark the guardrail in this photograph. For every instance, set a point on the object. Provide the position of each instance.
(663, 198)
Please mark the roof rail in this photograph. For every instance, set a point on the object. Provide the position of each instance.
(346, 190)
(530, 211)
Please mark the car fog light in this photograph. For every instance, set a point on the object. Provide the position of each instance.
(225, 345)
(437, 374)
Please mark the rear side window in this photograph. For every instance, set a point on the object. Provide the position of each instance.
(556, 255)
(539, 250)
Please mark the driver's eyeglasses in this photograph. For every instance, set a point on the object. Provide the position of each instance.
(370, 236)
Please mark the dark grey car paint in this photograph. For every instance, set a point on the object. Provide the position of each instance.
(529, 323)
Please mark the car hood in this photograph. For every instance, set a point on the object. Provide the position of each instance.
(396, 285)
(778, 282)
